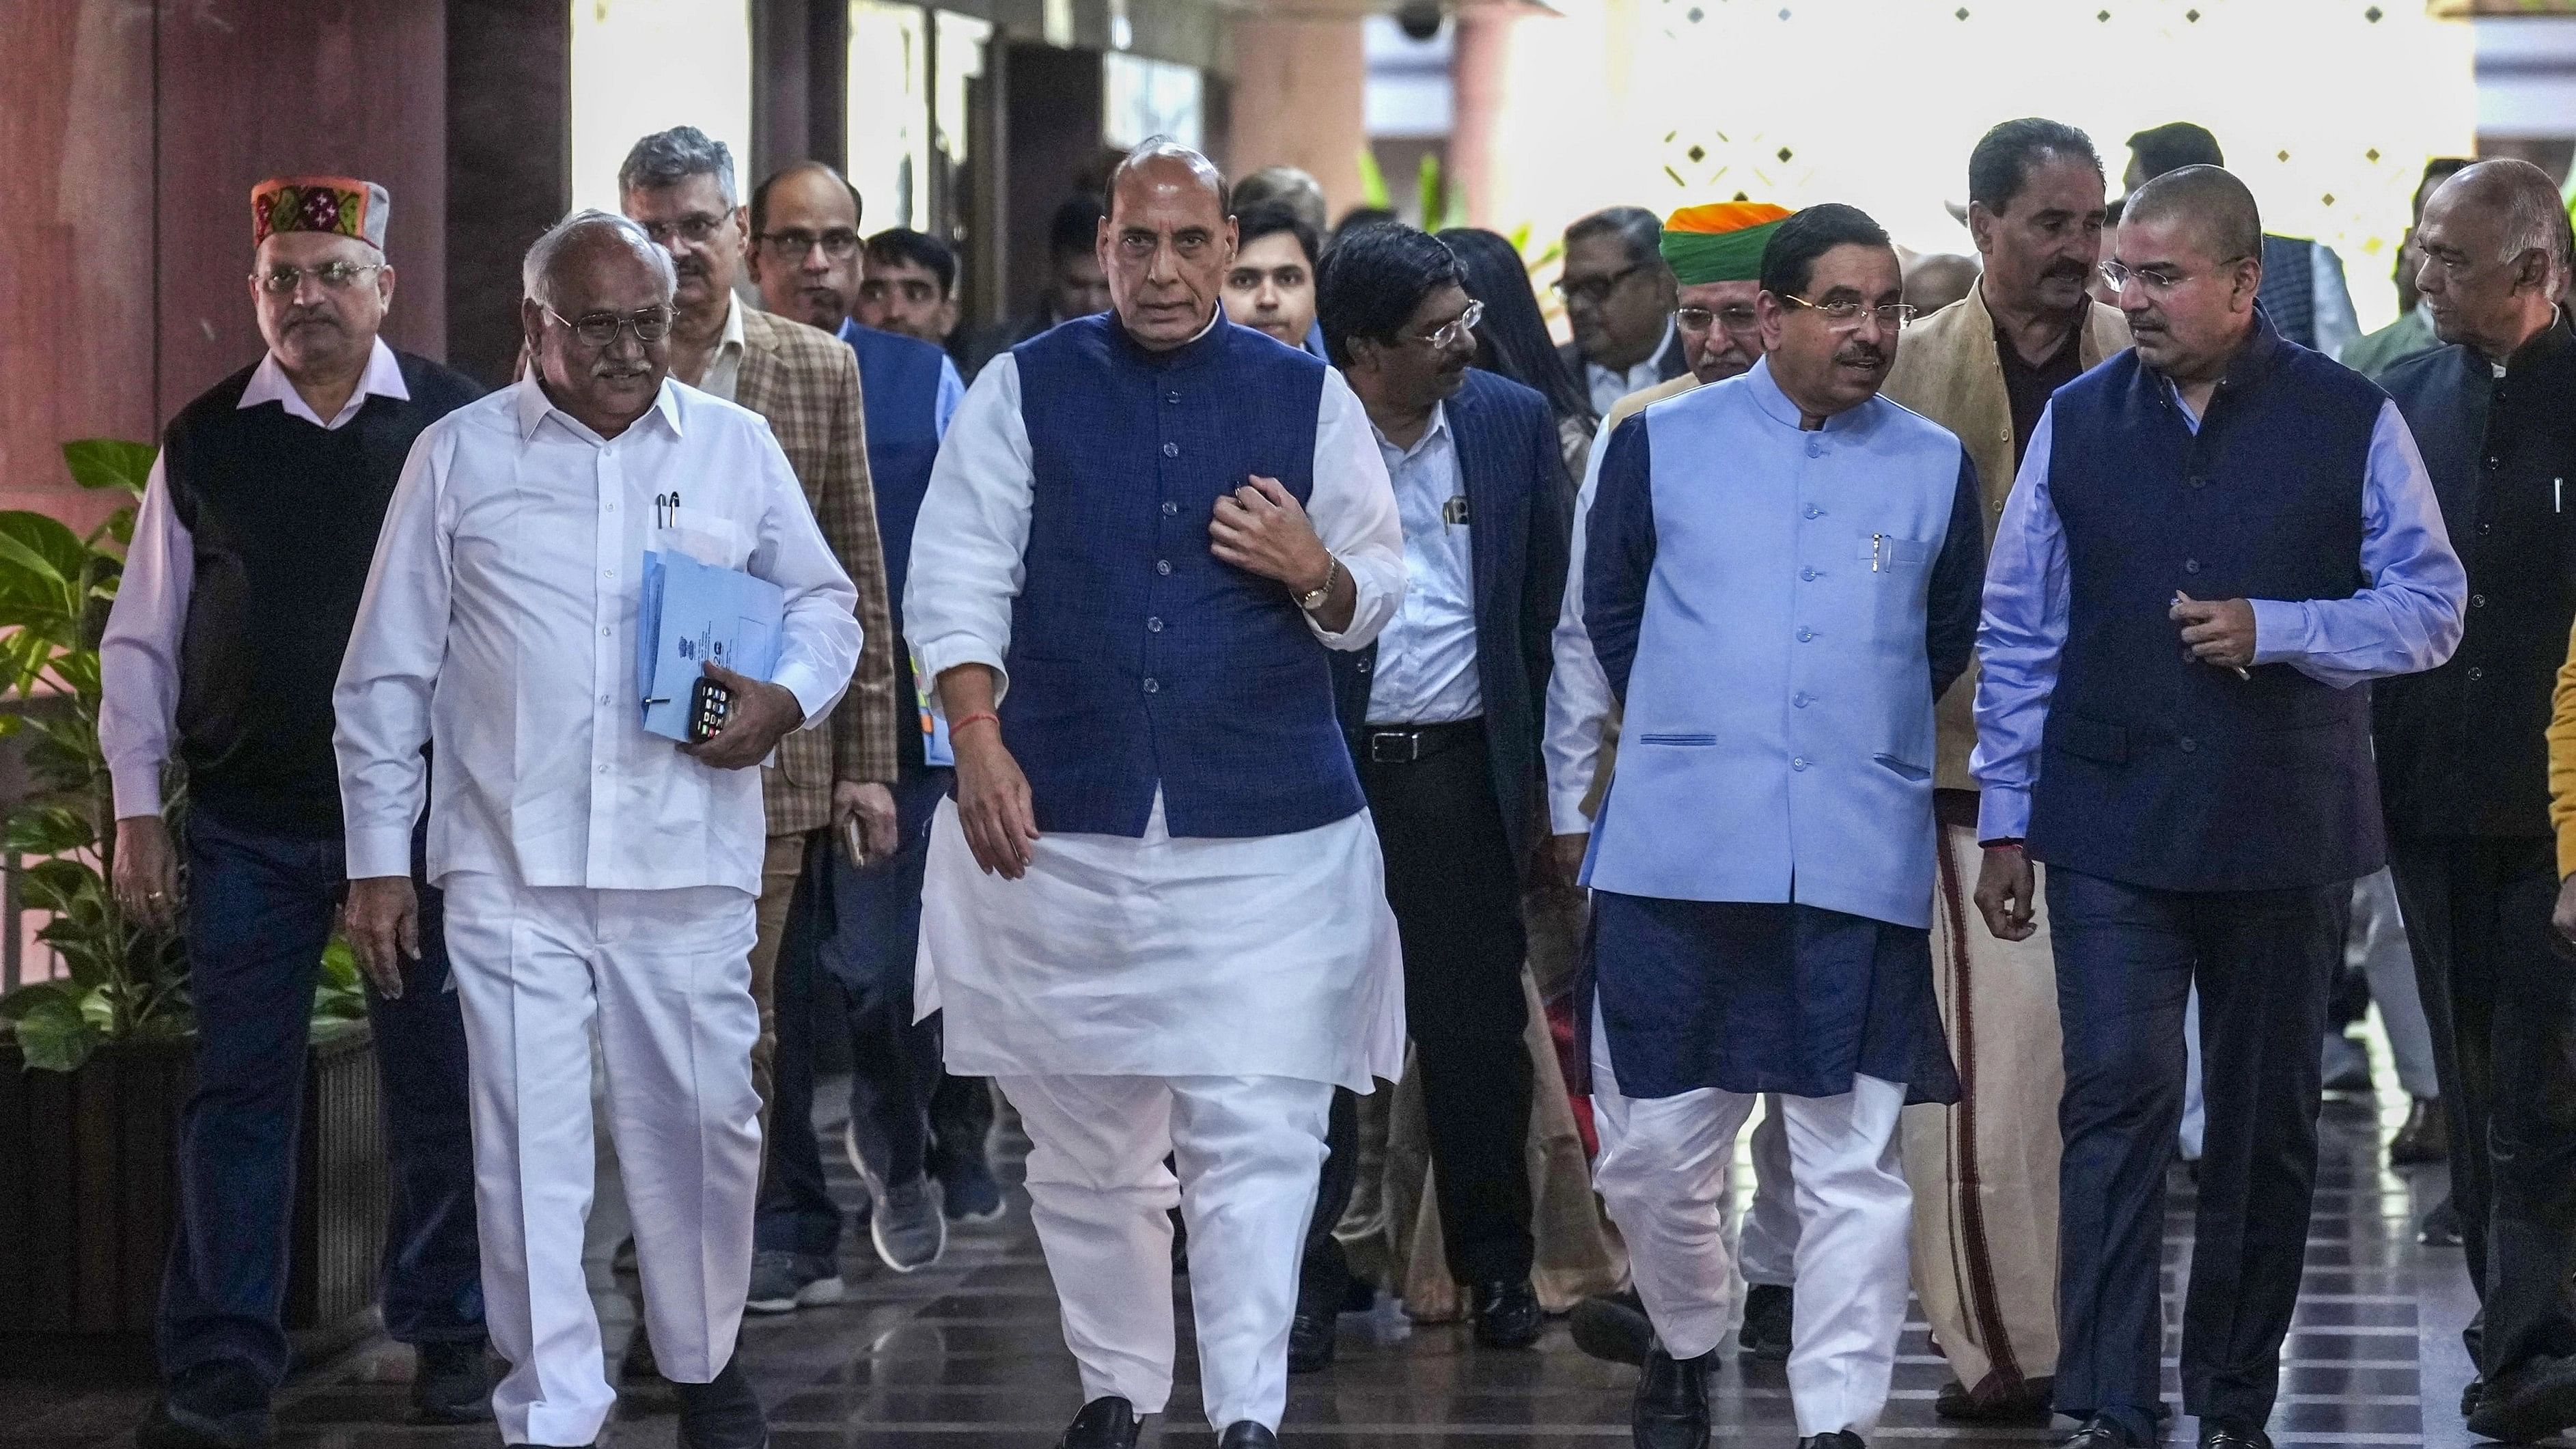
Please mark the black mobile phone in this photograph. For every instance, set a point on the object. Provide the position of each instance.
(710, 704)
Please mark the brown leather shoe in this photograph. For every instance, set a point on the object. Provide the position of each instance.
(2425, 1137)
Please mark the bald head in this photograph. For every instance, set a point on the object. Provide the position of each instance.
(598, 318)
(1162, 166)
(585, 241)
(2525, 206)
(2209, 202)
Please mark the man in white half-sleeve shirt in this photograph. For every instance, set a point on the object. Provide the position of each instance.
(1155, 911)
(592, 870)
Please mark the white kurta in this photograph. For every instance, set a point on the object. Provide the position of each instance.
(1264, 956)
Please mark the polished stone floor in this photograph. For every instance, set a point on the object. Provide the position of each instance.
(967, 1355)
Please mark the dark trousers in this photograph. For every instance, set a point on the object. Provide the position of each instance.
(2127, 958)
(845, 965)
(260, 911)
(2501, 1001)
(1455, 890)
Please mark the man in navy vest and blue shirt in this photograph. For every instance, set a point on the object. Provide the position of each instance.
(2464, 771)
(859, 920)
(1442, 713)
(1781, 575)
(240, 588)
(2215, 540)
(1155, 911)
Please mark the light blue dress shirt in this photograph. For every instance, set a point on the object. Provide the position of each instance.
(2407, 620)
(1426, 658)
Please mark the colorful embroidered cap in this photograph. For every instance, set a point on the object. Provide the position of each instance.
(334, 204)
(1720, 242)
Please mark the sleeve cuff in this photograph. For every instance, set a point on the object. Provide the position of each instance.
(378, 850)
(938, 656)
(2003, 812)
(814, 695)
(137, 788)
(1565, 812)
(2280, 631)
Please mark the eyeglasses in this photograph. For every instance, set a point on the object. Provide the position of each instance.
(600, 329)
(334, 276)
(1596, 290)
(796, 246)
(1738, 318)
(1846, 315)
(1455, 330)
(2156, 280)
(695, 228)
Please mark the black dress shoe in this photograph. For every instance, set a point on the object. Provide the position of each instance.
(1105, 1423)
(2424, 1137)
(2533, 1403)
(450, 1384)
(2103, 1431)
(2441, 1228)
(2229, 1436)
(1671, 1407)
(1508, 1315)
(1839, 1439)
(1310, 1342)
(1769, 1311)
(216, 1405)
(1246, 1434)
(722, 1413)
(1612, 1327)
(2024, 1401)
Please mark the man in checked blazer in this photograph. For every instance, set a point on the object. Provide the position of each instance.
(1443, 717)
(679, 185)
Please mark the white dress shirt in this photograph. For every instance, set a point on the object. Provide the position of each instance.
(1578, 691)
(1426, 656)
(724, 369)
(499, 623)
(2407, 620)
(1265, 955)
(1608, 385)
(138, 654)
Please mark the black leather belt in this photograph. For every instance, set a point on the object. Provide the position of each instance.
(1410, 744)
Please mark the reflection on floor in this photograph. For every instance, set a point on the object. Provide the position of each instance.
(967, 1355)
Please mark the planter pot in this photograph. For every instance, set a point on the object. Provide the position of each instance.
(89, 1195)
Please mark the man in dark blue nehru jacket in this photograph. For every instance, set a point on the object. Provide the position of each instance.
(2214, 541)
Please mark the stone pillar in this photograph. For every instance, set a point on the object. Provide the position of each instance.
(1299, 100)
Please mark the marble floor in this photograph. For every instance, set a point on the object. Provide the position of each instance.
(967, 1356)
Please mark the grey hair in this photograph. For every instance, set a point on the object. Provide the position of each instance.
(1639, 230)
(542, 253)
(1164, 148)
(667, 158)
(2534, 218)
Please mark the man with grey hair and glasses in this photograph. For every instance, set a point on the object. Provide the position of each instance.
(679, 186)
(594, 872)
(1619, 296)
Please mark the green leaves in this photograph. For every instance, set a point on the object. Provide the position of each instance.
(104, 463)
(337, 996)
(54, 1034)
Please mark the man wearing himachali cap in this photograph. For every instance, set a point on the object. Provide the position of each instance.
(240, 586)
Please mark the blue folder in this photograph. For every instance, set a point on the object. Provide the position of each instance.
(692, 613)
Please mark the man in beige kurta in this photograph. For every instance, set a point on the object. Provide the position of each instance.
(1984, 1172)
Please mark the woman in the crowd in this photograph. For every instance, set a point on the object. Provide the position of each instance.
(1513, 339)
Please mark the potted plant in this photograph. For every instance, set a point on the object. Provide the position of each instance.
(96, 1063)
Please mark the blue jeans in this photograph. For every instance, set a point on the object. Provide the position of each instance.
(260, 911)
(860, 926)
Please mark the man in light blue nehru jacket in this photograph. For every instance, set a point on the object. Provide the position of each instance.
(1782, 576)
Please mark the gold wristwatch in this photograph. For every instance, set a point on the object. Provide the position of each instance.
(1311, 602)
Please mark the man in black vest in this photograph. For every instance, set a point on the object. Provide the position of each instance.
(239, 591)
(2464, 772)
(2214, 540)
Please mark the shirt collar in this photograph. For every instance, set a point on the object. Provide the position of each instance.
(383, 378)
(732, 338)
(1439, 426)
(1653, 359)
(534, 407)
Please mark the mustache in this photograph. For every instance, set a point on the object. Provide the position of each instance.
(2069, 268)
(1860, 354)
